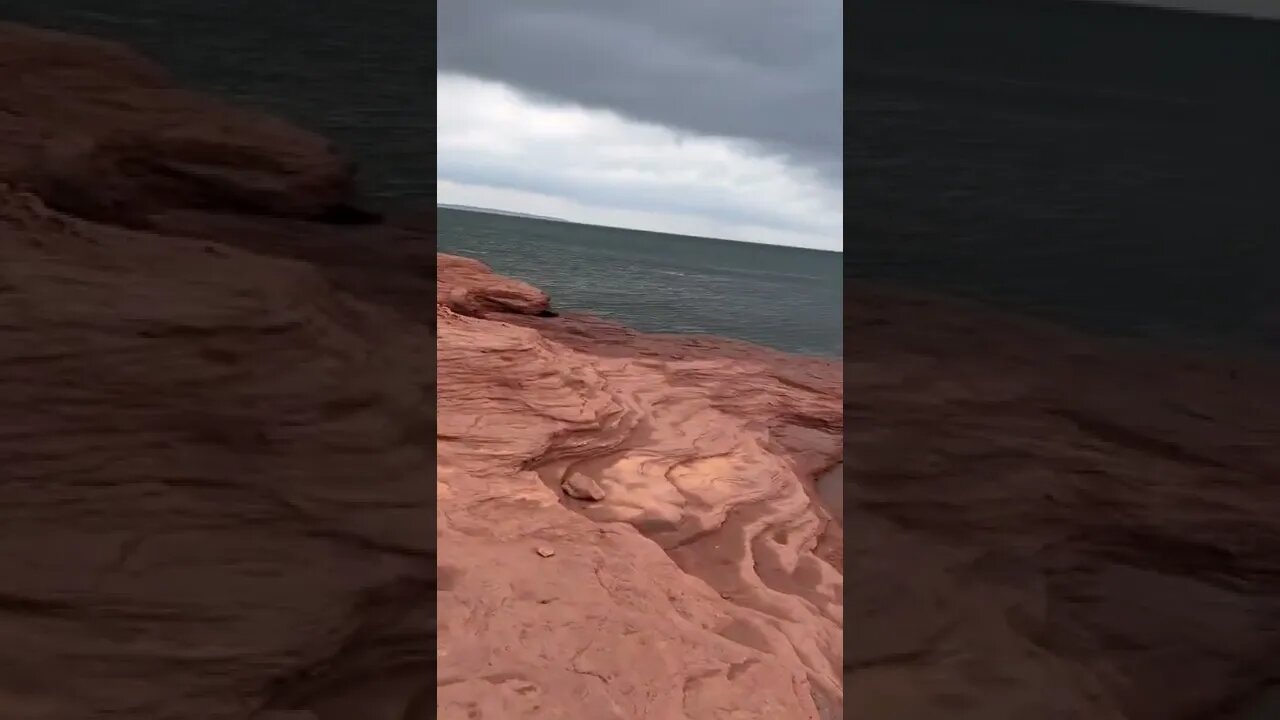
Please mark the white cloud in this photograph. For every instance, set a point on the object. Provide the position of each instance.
(500, 148)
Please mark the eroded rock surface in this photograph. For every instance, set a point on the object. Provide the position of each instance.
(98, 131)
(1043, 525)
(470, 288)
(217, 433)
(218, 400)
(214, 472)
(214, 464)
(695, 574)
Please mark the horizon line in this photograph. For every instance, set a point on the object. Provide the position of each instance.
(548, 218)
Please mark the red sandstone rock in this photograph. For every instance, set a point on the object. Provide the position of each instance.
(213, 469)
(469, 287)
(695, 575)
(1044, 525)
(214, 462)
(100, 132)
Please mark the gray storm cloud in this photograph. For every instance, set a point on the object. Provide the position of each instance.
(766, 71)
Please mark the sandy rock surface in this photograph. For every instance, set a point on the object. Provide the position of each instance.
(693, 574)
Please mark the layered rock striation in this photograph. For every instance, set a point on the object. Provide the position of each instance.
(628, 523)
(218, 383)
(1046, 525)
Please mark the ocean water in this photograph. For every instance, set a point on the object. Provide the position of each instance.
(1111, 167)
(361, 74)
(786, 298)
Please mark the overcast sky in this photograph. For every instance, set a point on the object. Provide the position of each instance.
(687, 116)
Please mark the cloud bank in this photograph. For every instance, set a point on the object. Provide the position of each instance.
(676, 115)
(498, 147)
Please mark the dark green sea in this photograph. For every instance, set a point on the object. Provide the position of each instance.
(787, 298)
